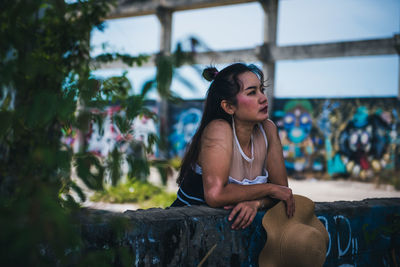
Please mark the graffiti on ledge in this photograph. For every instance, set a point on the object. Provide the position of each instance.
(355, 243)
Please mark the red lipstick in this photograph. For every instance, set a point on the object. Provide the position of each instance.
(264, 109)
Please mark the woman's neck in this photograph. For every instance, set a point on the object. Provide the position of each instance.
(244, 131)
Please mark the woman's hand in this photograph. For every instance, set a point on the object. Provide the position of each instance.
(245, 212)
(284, 193)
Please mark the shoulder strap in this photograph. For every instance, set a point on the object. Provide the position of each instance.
(265, 136)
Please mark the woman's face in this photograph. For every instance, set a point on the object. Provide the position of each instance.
(252, 104)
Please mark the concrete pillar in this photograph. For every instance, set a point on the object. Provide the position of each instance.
(397, 46)
(164, 15)
(270, 8)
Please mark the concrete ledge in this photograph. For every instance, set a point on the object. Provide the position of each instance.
(362, 233)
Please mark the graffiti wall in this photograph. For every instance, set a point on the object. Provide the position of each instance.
(339, 137)
(184, 119)
(320, 137)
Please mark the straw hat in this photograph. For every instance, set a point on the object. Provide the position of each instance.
(299, 241)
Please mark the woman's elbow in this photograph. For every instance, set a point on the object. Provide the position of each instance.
(213, 199)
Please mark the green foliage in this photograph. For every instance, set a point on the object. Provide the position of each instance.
(89, 166)
(46, 87)
(127, 59)
(175, 163)
(166, 65)
(35, 229)
(162, 200)
(138, 192)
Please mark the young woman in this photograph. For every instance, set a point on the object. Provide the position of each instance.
(235, 158)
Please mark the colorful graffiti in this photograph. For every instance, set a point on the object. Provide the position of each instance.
(320, 137)
(367, 242)
(339, 137)
(185, 118)
(298, 138)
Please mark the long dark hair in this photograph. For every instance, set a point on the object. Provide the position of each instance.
(225, 86)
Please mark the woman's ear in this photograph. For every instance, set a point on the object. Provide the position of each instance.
(228, 107)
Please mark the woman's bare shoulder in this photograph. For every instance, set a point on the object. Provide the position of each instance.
(270, 128)
(216, 141)
(269, 125)
(217, 128)
(217, 132)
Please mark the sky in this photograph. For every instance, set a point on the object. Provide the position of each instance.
(299, 22)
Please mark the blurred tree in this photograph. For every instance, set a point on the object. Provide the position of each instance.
(46, 87)
(45, 70)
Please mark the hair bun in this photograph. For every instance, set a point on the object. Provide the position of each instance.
(210, 73)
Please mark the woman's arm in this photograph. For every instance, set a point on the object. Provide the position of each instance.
(215, 159)
(275, 162)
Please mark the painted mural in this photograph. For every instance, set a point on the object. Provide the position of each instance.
(184, 119)
(321, 138)
(339, 137)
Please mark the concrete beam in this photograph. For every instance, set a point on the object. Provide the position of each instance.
(270, 53)
(385, 46)
(206, 58)
(132, 8)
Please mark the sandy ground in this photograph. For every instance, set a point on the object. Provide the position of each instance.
(334, 190)
(317, 190)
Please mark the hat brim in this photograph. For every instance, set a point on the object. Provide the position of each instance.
(278, 225)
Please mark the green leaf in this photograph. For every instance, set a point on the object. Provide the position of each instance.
(125, 58)
(90, 170)
(114, 161)
(164, 74)
(43, 109)
(152, 139)
(135, 106)
(6, 118)
(147, 87)
(123, 124)
(115, 88)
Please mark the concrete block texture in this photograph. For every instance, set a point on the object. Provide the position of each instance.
(362, 233)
